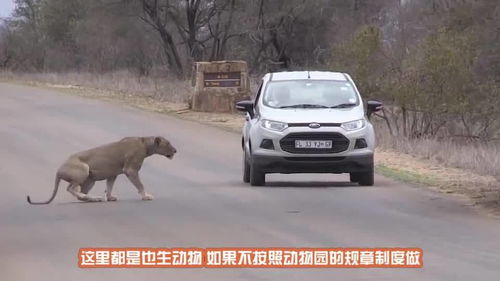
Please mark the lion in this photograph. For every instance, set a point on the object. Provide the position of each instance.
(106, 162)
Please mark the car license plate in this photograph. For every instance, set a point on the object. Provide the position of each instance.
(319, 144)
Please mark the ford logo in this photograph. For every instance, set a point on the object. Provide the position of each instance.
(314, 125)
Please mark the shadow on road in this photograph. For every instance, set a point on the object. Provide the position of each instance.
(311, 184)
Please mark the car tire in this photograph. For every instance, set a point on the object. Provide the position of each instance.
(353, 177)
(246, 168)
(365, 178)
(257, 176)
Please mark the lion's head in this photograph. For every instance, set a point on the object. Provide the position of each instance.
(164, 147)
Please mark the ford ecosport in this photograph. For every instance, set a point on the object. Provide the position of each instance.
(307, 122)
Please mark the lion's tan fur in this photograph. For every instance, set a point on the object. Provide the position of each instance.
(106, 162)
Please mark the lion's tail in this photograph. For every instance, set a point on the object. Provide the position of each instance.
(56, 187)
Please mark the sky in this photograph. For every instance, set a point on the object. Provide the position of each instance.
(6, 7)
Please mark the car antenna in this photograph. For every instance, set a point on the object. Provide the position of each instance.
(308, 74)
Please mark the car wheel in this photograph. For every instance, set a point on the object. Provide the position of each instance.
(365, 178)
(246, 168)
(353, 177)
(257, 177)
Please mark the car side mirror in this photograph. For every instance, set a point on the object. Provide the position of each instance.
(245, 106)
(373, 106)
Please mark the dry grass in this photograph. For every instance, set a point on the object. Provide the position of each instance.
(481, 158)
(125, 82)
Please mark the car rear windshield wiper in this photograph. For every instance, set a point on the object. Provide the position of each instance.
(343, 105)
(304, 105)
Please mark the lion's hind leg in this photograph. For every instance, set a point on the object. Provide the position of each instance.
(74, 189)
(86, 186)
(77, 174)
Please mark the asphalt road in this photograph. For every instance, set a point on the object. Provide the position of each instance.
(200, 201)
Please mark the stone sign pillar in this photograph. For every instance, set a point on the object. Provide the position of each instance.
(218, 85)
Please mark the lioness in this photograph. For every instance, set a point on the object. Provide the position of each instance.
(106, 162)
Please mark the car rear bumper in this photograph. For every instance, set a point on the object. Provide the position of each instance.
(296, 164)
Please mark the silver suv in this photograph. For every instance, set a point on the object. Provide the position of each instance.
(307, 122)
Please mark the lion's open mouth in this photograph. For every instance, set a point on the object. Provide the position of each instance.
(170, 156)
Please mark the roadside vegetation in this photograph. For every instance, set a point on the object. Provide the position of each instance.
(435, 64)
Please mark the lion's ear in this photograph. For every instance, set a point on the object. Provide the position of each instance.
(157, 141)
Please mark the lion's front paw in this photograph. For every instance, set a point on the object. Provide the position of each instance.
(147, 196)
(111, 198)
